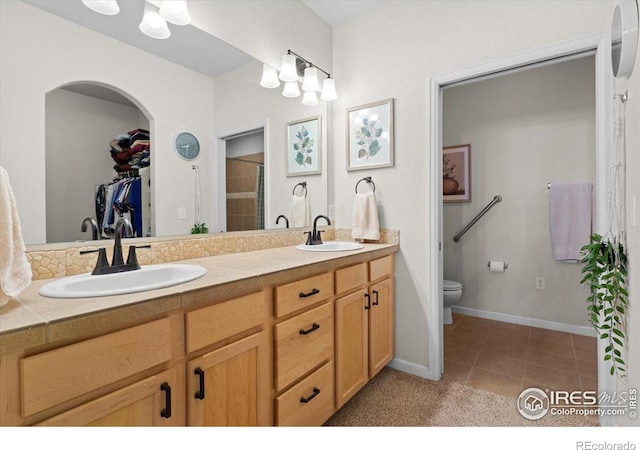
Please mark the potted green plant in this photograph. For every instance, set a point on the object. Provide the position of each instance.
(605, 274)
(199, 228)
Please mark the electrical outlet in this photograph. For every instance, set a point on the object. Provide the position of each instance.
(541, 283)
(182, 213)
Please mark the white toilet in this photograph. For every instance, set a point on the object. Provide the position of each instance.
(452, 293)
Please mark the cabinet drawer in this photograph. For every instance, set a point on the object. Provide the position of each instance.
(379, 268)
(294, 296)
(65, 373)
(214, 323)
(302, 343)
(318, 394)
(350, 278)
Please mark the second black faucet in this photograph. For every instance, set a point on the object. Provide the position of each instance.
(314, 237)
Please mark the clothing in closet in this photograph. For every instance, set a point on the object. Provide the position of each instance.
(120, 199)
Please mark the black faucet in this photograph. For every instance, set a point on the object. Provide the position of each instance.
(94, 227)
(314, 236)
(282, 217)
(117, 263)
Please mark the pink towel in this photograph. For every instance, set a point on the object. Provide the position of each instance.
(570, 219)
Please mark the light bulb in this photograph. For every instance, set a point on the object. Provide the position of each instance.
(310, 98)
(107, 7)
(269, 77)
(288, 70)
(291, 89)
(329, 90)
(153, 25)
(175, 12)
(310, 80)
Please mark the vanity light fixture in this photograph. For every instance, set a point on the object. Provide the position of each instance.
(293, 67)
(269, 77)
(106, 7)
(291, 89)
(175, 12)
(153, 24)
(310, 98)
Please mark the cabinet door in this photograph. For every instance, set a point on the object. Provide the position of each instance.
(351, 345)
(227, 387)
(154, 401)
(381, 333)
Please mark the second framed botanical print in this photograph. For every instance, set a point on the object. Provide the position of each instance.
(304, 144)
(370, 135)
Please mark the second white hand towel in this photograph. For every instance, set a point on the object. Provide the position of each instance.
(365, 223)
(15, 271)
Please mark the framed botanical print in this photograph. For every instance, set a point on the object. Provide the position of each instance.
(304, 144)
(370, 135)
(456, 174)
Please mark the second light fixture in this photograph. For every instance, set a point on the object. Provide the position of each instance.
(291, 64)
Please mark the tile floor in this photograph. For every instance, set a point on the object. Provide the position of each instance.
(506, 358)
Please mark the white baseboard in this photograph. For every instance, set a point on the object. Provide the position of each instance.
(413, 369)
(537, 323)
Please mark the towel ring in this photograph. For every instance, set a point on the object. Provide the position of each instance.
(368, 180)
(304, 185)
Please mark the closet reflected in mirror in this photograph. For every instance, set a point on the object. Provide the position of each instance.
(98, 162)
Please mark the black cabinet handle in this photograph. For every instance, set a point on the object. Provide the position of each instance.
(368, 305)
(166, 412)
(314, 291)
(313, 328)
(200, 394)
(316, 391)
(375, 303)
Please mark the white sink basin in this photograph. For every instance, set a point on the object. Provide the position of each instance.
(147, 278)
(331, 246)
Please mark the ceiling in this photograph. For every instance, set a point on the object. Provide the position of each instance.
(188, 46)
(336, 11)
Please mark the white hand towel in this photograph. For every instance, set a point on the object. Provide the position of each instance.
(299, 211)
(15, 271)
(570, 219)
(365, 223)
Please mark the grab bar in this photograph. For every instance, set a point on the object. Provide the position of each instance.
(496, 199)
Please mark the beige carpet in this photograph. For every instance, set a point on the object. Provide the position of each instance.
(395, 398)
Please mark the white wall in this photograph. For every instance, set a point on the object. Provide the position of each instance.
(525, 129)
(391, 52)
(41, 52)
(260, 105)
(245, 145)
(78, 132)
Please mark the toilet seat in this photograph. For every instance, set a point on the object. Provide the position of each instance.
(449, 285)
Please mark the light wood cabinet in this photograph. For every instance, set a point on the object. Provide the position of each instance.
(154, 401)
(364, 333)
(289, 354)
(227, 387)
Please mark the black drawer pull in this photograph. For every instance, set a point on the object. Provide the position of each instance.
(316, 391)
(375, 303)
(368, 305)
(313, 328)
(314, 291)
(200, 394)
(166, 412)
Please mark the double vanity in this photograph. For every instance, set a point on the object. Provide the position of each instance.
(277, 336)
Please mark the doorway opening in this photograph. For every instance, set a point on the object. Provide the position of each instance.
(596, 44)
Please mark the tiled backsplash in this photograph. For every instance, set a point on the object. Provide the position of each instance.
(63, 262)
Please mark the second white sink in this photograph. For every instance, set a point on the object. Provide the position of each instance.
(147, 278)
(331, 246)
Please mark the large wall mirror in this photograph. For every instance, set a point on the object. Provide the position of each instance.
(77, 85)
